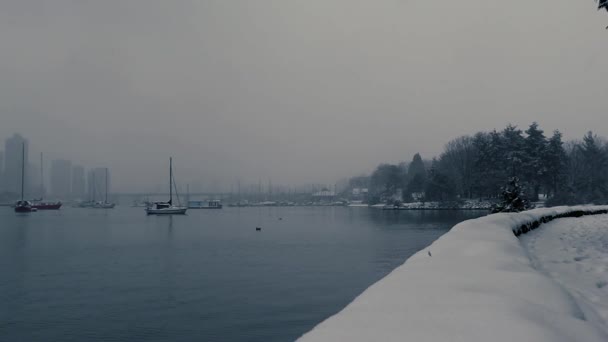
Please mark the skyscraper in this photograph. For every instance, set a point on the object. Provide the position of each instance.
(61, 178)
(78, 182)
(13, 160)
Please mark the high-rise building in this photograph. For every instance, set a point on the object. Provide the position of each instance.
(96, 183)
(61, 178)
(13, 149)
(78, 182)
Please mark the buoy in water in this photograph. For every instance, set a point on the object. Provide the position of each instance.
(280, 218)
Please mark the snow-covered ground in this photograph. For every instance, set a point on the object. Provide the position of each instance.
(574, 252)
(475, 283)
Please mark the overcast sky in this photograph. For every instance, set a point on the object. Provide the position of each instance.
(295, 91)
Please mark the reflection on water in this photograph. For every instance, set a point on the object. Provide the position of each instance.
(98, 275)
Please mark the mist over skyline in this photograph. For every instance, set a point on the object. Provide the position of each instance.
(297, 92)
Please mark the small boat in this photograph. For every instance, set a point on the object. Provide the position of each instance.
(23, 206)
(103, 205)
(213, 204)
(40, 204)
(91, 202)
(167, 208)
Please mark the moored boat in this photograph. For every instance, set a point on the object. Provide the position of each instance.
(23, 206)
(105, 204)
(39, 205)
(167, 208)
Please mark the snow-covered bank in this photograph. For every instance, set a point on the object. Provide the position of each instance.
(475, 283)
(449, 205)
(574, 252)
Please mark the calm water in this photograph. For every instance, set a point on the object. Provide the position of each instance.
(118, 275)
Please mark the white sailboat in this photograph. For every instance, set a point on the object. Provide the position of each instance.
(167, 208)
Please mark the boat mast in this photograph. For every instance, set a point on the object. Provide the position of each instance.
(106, 200)
(22, 168)
(94, 186)
(170, 180)
(41, 177)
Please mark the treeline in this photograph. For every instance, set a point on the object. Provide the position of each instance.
(479, 166)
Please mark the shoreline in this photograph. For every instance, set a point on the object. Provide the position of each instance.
(475, 283)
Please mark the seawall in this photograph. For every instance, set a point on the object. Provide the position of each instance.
(475, 283)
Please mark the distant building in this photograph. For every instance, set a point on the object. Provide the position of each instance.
(78, 182)
(418, 196)
(359, 194)
(61, 178)
(96, 183)
(324, 195)
(13, 149)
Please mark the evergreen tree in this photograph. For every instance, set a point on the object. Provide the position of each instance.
(417, 175)
(439, 186)
(458, 163)
(416, 166)
(555, 163)
(490, 167)
(594, 172)
(513, 198)
(513, 149)
(534, 166)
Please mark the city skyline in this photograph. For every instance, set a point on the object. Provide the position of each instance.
(61, 179)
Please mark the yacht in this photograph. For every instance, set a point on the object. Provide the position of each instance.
(167, 208)
(41, 204)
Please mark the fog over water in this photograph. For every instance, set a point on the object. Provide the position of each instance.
(295, 91)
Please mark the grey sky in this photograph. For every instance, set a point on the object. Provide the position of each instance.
(296, 91)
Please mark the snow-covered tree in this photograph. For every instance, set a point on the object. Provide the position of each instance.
(555, 163)
(594, 172)
(534, 167)
(513, 198)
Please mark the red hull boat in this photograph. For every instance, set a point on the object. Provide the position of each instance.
(47, 206)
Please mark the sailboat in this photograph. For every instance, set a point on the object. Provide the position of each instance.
(39, 203)
(167, 208)
(105, 204)
(23, 206)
